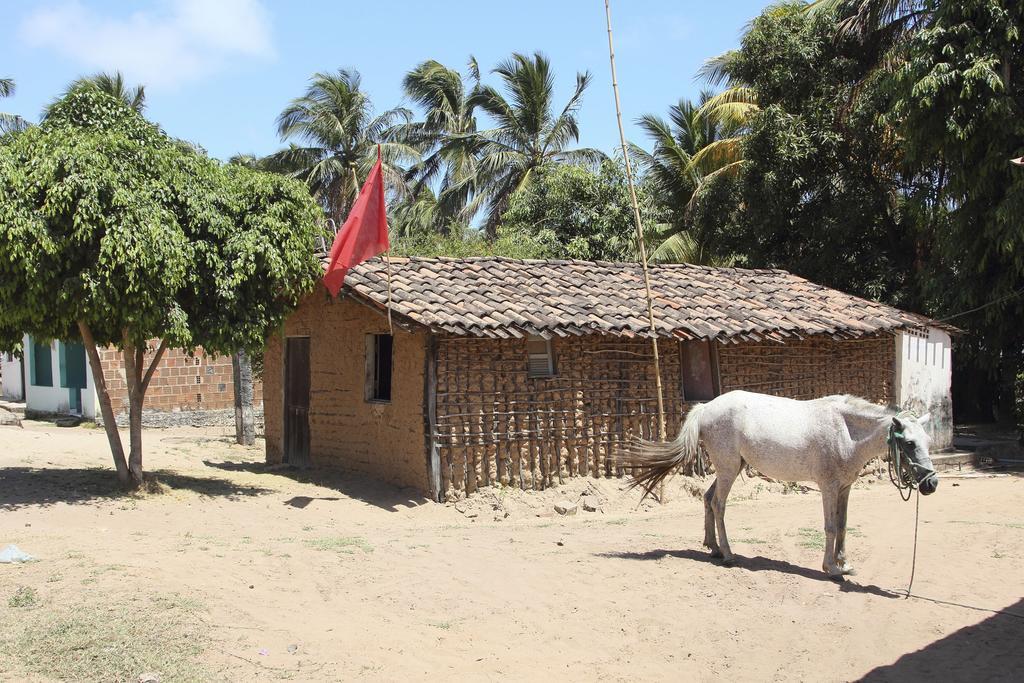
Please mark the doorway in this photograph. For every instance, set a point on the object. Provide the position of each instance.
(296, 401)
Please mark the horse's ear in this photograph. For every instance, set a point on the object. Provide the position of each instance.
(924, 418)
(897, 424)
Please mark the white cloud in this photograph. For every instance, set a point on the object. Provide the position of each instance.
(177, 42)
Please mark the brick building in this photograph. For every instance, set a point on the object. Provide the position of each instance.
(522, 373)
(55, 378)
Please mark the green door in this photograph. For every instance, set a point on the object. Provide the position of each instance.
(72, 373)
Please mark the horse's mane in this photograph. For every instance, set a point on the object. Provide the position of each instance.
(860, 406)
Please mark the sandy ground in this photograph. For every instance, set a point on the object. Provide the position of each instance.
(266, 575)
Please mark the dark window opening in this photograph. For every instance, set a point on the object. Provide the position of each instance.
(380, 351)
(700, 371)
(541, 360)
(42, 365)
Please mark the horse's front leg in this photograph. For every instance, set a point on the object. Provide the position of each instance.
(829, 501)
(842, 503)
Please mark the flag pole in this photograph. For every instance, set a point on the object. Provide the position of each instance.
(641, 247)
(387, 256)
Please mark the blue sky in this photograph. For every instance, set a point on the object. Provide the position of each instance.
(217, 72)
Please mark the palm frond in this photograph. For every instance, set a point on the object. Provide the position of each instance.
(719, 70)
(716, 155)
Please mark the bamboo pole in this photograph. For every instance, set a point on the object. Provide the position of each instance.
(641, 247)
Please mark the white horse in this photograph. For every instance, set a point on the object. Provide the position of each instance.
(826, 441)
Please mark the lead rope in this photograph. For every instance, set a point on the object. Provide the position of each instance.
(913, 560)
(903, 480)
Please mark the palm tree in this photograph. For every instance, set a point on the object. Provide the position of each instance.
(9, 123)
(337, 137)
(526, 134)
(686, 149)
(111, 84)
(447, 137)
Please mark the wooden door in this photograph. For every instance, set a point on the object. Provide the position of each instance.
(296, 401)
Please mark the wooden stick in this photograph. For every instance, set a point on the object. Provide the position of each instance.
(641, 247)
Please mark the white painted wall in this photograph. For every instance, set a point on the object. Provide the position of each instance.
(924, 378)
(10, 367)
(56, 399)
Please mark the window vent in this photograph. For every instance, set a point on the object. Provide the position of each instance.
(540, 358)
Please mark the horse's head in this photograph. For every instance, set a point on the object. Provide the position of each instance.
(912, 441)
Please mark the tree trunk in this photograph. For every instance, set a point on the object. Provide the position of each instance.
(133, 378)
(245, 421)
(109, 422)
(138, 382)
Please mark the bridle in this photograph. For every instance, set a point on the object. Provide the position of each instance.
(903, 470)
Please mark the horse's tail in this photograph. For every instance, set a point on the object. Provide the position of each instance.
(655, 461)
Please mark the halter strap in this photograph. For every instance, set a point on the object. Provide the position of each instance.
(902, 472)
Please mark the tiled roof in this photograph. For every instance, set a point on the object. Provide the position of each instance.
(499, 297)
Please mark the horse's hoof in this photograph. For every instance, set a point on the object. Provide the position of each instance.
(715, 552)
(728, 561)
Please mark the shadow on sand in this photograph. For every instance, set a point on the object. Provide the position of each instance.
(987, 651)
(31, 486)
(348, 484)
(755, 564)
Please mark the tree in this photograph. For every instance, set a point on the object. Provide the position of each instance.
(337, 137)
(527, 134)
(115, 234)
(687, 154)
(959, 108)
(587, 214)
(10, 123)
(111, 84)
(447, 138)
(820, 192)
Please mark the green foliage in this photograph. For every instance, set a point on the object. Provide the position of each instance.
(508, 243)
(111, 84)
(106, 220)
(818, 192)
(960, 108)
(447, 138)
(527, 134)
(335, 137)
(587, 214)
(9, 123)
(112, 230)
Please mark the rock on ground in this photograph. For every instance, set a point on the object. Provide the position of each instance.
(9, 418)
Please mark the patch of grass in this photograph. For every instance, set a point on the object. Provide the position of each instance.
(619, 521)
(811, 538)
(751, 541)
(341, 544)
(113, 638)
(23, 597)
(443, 625)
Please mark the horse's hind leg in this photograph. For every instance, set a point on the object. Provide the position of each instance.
(710, 539)
(723, 483)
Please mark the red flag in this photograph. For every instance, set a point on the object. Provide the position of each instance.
(364, 235)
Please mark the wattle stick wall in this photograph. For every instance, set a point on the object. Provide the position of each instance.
(495, 425)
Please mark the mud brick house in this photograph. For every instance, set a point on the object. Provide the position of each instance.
(524, 373)
(54, 378)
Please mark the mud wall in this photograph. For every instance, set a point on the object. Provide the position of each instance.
(385, 440)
